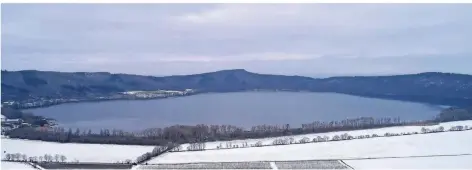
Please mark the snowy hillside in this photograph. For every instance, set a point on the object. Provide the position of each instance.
(412, 145)
(451, 150)
(380, 132)
(80, 152)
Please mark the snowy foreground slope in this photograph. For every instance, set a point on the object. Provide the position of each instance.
(16, 166)
(441, 162)
(444, 143)
(82, 152)
(380, 131)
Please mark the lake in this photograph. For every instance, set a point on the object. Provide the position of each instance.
(241, 109)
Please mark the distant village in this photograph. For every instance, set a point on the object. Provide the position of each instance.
(128, 95)
(10, 124)
(157, 93)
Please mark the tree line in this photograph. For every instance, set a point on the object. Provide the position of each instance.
(454, 114)
(287, 140)
(199, 133)
(158, 150)
(24, 158)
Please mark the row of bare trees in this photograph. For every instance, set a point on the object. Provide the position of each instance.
(24, 158)
(442, 129)
(196, 146)
(199, 133)
(344, 136)
(158, 150)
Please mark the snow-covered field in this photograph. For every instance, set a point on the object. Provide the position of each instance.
(411, 145)
(446, 143)
(16, 166)
(81, 152)
(380, 132)
(443, 162)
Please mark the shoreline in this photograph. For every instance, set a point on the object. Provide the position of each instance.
(104, 100)
(99, 101)
(463, 102)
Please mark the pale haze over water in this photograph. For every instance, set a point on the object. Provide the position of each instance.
(241, 109)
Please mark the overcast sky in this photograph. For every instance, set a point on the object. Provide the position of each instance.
(311, 40)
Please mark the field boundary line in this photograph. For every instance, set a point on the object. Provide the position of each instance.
(347, 165)
(414, 156)
(311, 142)
(36, 166)
(333, 159)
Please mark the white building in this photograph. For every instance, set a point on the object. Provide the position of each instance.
(14, 121)
(4, 118)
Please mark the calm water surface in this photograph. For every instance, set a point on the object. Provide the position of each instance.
(242, 109)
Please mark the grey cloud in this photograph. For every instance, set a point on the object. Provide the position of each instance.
(175, 39)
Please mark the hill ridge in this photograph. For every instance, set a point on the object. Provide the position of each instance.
(427, 87)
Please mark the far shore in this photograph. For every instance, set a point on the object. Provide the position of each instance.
(432, 104)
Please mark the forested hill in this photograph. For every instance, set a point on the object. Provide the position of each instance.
(433, 88)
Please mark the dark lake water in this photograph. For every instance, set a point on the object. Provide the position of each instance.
(241, 109)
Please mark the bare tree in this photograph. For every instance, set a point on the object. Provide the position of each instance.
(202, 146)
(57, 157)
(304, 140)
(424, 130)
(177, 148)
(196, 146)
(24, 157)
(41, 158)
(48, 158)
(157, 150)
(258, 144)
(128, 161)
(281, 141)
(8, 157)
(219, 146)
(144, 157)
(344, 136)
(291, 140)
(12, 157)
(63, 158)
(17, 156)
